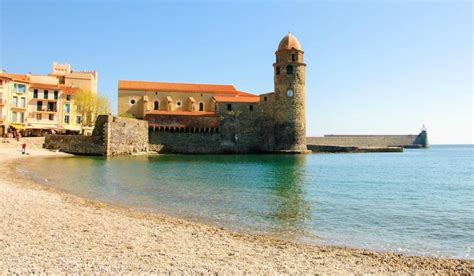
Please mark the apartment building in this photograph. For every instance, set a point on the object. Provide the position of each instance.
(36, 104)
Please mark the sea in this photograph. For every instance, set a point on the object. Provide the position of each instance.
(419, 202)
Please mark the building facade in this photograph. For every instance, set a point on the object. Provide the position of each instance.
(205, 118)
(36, 104)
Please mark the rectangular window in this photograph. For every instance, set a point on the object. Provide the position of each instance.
(38, 117)
(19, 88)
(229, 107)
(15, 101)
(14, 116)
(51, 117)
(22, 102)
(1, 82)
(22, 117)
(51, 106)
(68, 97)
(251, 107)
(66, 119)
(45, 94)
(56, 94)
(39, 106)
(67, 108)
(35, 94)
(78, 108)
(78, 120)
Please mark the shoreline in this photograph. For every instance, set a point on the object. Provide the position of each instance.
(43, 229)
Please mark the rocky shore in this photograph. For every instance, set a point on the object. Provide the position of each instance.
(47, 231)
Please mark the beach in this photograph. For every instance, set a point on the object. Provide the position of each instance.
(43, 230)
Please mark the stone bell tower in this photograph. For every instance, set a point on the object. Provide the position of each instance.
(290, 88)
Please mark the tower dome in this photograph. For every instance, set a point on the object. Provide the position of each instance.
(289, 42)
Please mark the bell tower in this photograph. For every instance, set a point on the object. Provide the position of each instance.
(290, 89)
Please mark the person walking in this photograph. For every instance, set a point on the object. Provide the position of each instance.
(23, 148)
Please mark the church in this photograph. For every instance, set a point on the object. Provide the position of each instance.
(210, 118)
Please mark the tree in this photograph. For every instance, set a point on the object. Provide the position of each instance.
(90, 105)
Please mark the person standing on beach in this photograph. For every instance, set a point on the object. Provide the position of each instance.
(23, 148)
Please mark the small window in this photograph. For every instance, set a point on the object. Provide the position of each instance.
(38, 117)
(229, 107)
(22, 117)
(51, 117)
(178, 103)
(201, 106)
(265, 98)
(289, 70)
(68, 97)
(45, 96)
(251, 107)
(132, 101)
(78, 120)
(278, 70)
(156, 105)
(66, 119)
(35, 94)
(293, 57)
(56, 93)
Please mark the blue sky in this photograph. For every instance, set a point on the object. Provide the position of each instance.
(372, 67)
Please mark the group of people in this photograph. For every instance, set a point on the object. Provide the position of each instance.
(16, 134)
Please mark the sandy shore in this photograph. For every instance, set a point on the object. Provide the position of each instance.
(42, 230)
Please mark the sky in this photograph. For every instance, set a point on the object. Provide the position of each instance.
(378, 67)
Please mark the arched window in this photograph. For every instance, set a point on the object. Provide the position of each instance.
(289, 69)
(156, 105)
(293, 57)
(201, 106)
(278, 70)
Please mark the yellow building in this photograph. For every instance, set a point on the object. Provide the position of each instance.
(36, 104)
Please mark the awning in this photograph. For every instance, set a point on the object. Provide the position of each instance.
(17, 125)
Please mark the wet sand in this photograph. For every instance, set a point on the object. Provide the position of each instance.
(44, 230)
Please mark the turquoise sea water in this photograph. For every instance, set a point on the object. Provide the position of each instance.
(420, 202)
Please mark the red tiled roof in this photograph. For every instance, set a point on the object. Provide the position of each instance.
(16, 77)
(239, 99)
(177, 87)
(64, 88)
(181, 113)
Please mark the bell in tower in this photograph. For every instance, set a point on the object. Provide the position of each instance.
(290, 88)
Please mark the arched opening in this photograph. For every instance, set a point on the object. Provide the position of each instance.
(293, 57)
(156, 105)
(201, 106)
(289, 70)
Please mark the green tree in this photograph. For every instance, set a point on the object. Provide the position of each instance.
(90, 105)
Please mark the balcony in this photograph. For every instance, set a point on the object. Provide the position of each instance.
(45, 110)
(18, 107)
(44, 100)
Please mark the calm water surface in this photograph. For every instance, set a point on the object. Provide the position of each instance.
(417, 202)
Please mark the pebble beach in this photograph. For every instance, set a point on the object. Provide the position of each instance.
(43, 230)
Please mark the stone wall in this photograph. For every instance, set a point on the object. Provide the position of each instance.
(111, 136)
(370, 140)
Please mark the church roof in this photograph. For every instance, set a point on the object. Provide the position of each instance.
(289, 42)
(177, 87)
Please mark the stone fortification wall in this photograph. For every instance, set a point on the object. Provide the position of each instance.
(370, 140)
(125, 136)
(111, 136)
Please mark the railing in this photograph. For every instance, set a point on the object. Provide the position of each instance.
(47, 109)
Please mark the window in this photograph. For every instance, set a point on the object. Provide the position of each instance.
(51, 106)
(229, 107)
(156, 105)
(278, 70)
(66, 119)
(293, 57)
(78, 108)
(39, 106)
(14, 116)
(265, 98)
(38, 117)
(1, 82)
(67, 108)
(201, 106)
(45, 96)
(15, 101)
(68, 97)
(132, 101)
(19, 88)
(289, 70)
(78, 120)
(22, 102)
(35, 94)
(56, 93)
(51, 117)
(22, 117)
(251, 107)
(178, 103)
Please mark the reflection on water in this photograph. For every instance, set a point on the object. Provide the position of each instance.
(417, 202)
